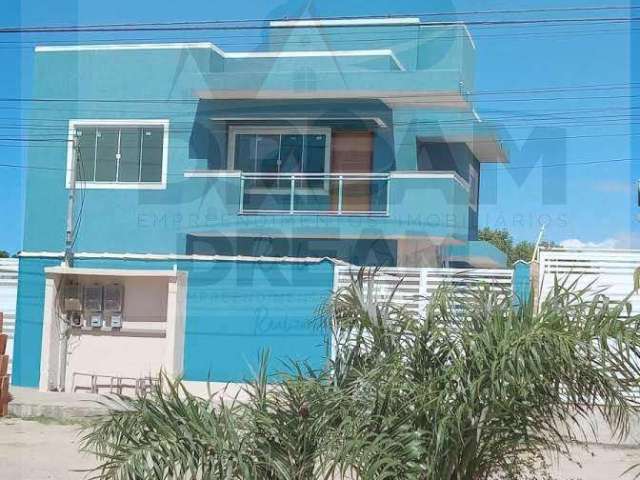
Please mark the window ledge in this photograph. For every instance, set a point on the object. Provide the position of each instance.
(120, 186)
(212, 173)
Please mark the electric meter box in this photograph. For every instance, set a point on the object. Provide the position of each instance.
(72, 298)
(113, 297)
(116, 320)
(95, 320)
(93, 298)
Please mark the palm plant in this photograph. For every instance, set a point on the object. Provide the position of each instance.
(470, 389)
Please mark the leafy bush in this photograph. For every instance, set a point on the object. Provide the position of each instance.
(472, 389)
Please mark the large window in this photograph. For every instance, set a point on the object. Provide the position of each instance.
(279, 150)
(120, 154)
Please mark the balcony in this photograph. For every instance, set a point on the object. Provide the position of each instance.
(401, 205)
(365, 194)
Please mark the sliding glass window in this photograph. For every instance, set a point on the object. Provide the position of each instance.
(263, 150)
(126, 154)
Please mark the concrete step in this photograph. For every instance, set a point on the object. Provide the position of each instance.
(30, 402)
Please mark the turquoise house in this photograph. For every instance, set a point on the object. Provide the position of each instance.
(215, 190)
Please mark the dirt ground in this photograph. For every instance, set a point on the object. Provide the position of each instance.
(40, 450)
(46, 450)
(600, 462)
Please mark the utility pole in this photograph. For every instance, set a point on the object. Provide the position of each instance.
(538, 242)
(534, 271)
(65, 332)
(71, 200)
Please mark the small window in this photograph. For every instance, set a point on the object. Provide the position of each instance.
(274, 150)
(122, 155)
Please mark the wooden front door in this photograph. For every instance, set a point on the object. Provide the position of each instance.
(352, 152)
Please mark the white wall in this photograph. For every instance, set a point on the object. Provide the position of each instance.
(137, 350)
(8, 296)
(602, 271)
(151, 337)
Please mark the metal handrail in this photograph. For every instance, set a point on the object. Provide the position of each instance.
(290, 189)
(364, 176)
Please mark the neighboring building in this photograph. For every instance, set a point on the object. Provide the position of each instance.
(218, 188)
(8, 295)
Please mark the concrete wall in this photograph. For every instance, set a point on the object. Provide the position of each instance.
(138, 349)
(130, 221)
(8, 297)
(118, 220)
(234, 310)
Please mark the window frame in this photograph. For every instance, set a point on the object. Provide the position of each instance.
(234, 130)
(116, 185)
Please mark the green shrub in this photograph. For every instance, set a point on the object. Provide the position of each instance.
(471, 389)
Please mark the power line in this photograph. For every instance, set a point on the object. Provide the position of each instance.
(202, 25)
(511, 122)
(224, 25)
(477, 93)
(374, 17)
(480, 93)
(413, 98)
(27, 141)
(333, 40)
(497, 166)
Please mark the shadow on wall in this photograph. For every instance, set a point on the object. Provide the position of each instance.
(208, 140)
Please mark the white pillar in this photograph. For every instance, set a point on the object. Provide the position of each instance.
(176, 313)
(50, 336)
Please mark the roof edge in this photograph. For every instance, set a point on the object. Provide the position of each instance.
(345, 22)
(160, 257)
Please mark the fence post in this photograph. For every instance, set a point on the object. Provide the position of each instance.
(422, 291)
(536, 284)
(241, 194)
(292, 192)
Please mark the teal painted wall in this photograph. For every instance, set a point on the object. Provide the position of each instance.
(366, 64)
(234, 311)
(522, 282)
(158, 222)
(437, 48)
(29, 311)
(161, 84)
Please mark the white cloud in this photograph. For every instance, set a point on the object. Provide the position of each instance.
(619, 241)
(613, 186)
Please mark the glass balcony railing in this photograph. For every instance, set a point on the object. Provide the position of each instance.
(314, 194)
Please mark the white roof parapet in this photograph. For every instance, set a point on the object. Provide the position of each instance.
(379, 52)
(114, 272)
(154, 256)
(345, 22)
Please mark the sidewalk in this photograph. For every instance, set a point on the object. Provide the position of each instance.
(29, 402)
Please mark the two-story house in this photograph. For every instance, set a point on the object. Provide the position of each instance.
(213, 190)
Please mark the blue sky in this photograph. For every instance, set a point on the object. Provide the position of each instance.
(569, 148)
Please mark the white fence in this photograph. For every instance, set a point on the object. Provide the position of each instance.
(8, 295)
(419, 284)
(607, 271)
